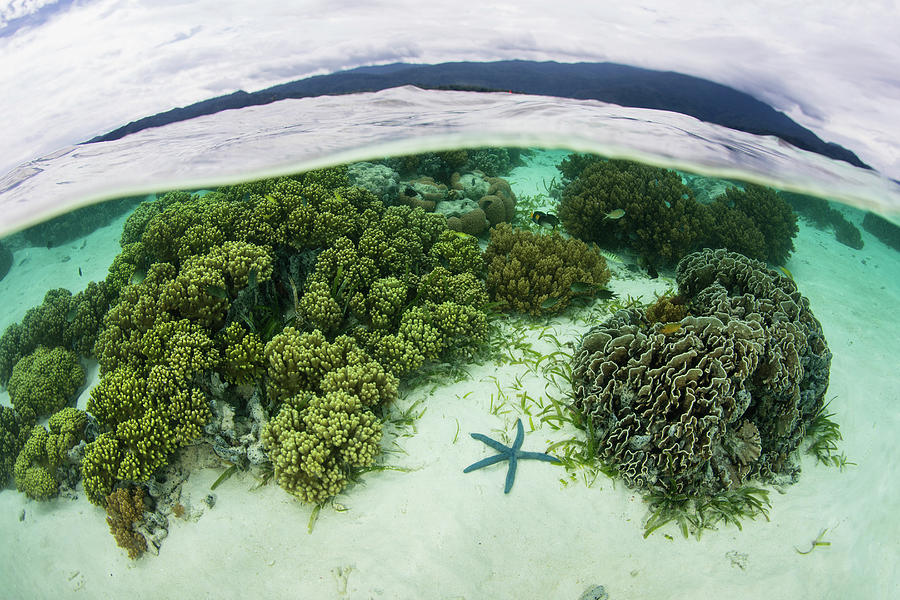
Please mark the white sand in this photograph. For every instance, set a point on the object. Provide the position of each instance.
(437, 533)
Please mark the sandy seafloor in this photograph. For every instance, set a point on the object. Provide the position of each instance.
(437, 533)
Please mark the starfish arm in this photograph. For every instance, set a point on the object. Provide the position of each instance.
(539, 456)
(492, 443)
(510, 474)
(485, 462)
(520, 435)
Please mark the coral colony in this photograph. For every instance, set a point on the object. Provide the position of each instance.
(275, 320)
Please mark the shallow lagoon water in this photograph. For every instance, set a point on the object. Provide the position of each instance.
(428, 530)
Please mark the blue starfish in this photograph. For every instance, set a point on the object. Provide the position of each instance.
(510, 453)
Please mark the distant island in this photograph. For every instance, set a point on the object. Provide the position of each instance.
(609, 82)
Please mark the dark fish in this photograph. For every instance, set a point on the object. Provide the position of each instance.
(217, 292)
(550, 303)
(410, 192)
(79, 272)
(545, 219)
(581, 287)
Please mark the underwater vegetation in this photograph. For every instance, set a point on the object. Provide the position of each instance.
(275, 322)
(661, 221)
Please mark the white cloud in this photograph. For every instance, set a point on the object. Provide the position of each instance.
(16, 9)
(831, 66)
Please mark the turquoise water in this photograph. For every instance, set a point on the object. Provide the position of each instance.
(674, 405)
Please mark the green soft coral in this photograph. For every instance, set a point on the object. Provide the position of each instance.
(13, 435)
(457, 253)
(102, 458)
(37, 465)
(315, 443)
(440, 285)
(66, 430)
(538, 274)
(242, 352)
(33, 474)
(298, 362)
(319, 308)
(147, 419)
(205, 284)
(44, 381)
(386, 301)
(426, 333)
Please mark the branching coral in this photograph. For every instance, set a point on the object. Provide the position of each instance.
(34, 475)
(723, 397)
(316, 441)
(242, 354)
(13, 435)
(124, 509)
(36, 467)
(149, 417)
(661, 220)
(307, 362)
(44, 381)
(539, 274)
(770, 214)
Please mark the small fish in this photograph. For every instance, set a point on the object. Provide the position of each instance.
(545, 219)
(410, 192)
(616, 214)
(787, 273)
(70, 316)
(549, 303)
(581, 287)
(79, 272)
(611, 257)
(670, 328)
(138, 276)
(217, 292)
(463, 235)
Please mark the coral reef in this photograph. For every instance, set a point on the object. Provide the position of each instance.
(820, 213)
(660, 219)
(13, 435)
(6, 260)
(44, 381)
(37, 467)
(662, 222)
(886, 231)
(236, 302)
(538, 274)
(315, 442)
(124, 510)
(723, 397)
(770, 215)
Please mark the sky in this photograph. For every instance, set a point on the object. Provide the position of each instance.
(73, 69)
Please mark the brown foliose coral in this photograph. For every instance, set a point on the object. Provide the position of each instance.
(724, 397)
(540, 274)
